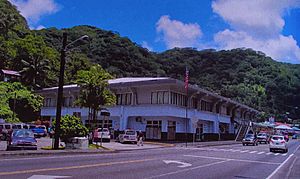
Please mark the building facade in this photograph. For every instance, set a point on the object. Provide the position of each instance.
(160, 108)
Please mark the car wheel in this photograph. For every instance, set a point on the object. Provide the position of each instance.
(256, 144)
(271, 150)
(286, 150)
(243, 144)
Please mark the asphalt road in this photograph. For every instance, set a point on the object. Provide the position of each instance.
(232, 161)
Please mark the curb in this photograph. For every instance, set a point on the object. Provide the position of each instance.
(158, 143)
(59, 152)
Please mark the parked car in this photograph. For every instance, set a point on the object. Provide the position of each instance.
(250, 139)
(21, 126)
(22, 139)
(296, 136)
(277, 142)
(129, 136)
(262, 138)
(102, 133)
(39, 131)
(5, 129)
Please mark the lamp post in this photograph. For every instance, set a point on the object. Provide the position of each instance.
(61, 84)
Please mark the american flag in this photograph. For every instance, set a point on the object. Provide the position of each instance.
(186, 80)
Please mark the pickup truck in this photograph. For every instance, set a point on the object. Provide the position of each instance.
(129, 136)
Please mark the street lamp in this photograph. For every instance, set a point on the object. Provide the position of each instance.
(63, 51)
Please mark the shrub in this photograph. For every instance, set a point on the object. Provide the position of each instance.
(71, 126)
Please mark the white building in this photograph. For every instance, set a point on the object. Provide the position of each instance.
(157, 106)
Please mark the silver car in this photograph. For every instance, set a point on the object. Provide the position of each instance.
(277, 142)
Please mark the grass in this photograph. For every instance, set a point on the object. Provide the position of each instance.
(50, 148)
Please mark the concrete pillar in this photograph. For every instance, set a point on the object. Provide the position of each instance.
(216, 125)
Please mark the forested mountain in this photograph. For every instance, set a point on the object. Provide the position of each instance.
(244, 75)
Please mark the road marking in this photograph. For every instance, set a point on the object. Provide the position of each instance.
(276, 170)
(243, 151)
(182, 164)
(73, 167)
(184, 170)
(236, 150)
(260, 153)
(231, 159)
(269, 153)
(284, 154)
(252, 152)
(296, 149)
(290, 168)
(46, 177)
(276, 154)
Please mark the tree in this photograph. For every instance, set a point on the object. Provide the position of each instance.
(71, 126)
(35, 57)
(18, 104)
(94, 91)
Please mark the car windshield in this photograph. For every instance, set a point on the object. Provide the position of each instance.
(249, 136)
(7, 127)
(31, 127)
(42, 127)
(23, 133)
(130, 132)
(261, 135)
(277, 138)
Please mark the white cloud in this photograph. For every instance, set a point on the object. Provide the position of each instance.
(257, 24)
(177, 34)
(32, 10)
(281, 47)
(147, 46)
(40, 27)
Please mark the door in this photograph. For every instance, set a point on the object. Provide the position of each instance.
(199, 132)
(153, 130)
(171, 130)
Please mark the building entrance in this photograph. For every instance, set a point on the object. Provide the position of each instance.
(171, 130)
(199, 132)
(153, 130)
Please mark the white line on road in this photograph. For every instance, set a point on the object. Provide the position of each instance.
(184, 170)
(284, 154)
(276, 154)
(236, 150)
(252, 152)
(231, 159)
(276, 170)
(269, 153)
(243, 151)
(260, 153)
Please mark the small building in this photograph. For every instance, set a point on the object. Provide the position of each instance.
(9, 76)
(160, 108)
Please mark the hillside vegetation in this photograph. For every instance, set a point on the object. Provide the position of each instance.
(244, 75)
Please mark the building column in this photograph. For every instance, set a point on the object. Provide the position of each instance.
(216, 125)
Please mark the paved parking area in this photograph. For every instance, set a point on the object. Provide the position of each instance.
(41, 142)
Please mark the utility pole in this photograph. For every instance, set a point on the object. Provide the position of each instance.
(60, 91)
(186, 86)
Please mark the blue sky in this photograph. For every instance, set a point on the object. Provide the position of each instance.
(269, 26)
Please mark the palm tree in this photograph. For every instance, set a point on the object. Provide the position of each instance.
(94, 91)
(35, 71)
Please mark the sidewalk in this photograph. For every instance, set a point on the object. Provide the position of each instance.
(110, 147)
